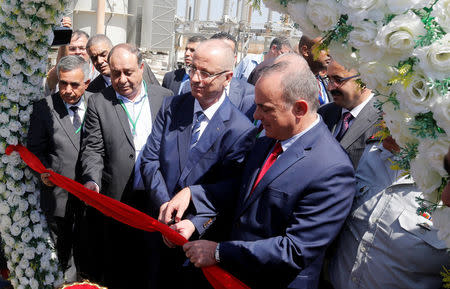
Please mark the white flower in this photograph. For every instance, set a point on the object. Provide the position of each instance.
(29, 272)
(35, 216)
(417, 96)
(15, 257)
(426, 178)
(441, 11)
(397, 38)
(24, 222)
(12, 140)
(434, 150)
(4, 208)
(32, 200)
(440, 222)
(344, 55)
(27, 235)
(4, 117)
(4, 131)
(34, 284)
(24, 281)
(29, 254)
(15, 229)
(398, 123)
(23, 205)
(435, 59)
(7, 249)
(323, 13)
(40, 248)
(38, 230)
(45, 263)
(401, 6)
(276, 6)
(363, 34)
(441, 113)
(20, 247)
(358, 10)
(24, 263)
(6, 223)
(49, 279)
(19, 272)
(299, 16)
(376, 75)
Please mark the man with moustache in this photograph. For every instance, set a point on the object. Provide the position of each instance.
(198, 143)
(352, 117)
(295, 193)
(54, 137)
(317, 63)
(118, 122)
(98, 48)
(178, 80)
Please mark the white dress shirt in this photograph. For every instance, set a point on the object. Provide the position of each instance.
(209, 112)
(81, 109)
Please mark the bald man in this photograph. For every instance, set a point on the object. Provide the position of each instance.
(198, 143)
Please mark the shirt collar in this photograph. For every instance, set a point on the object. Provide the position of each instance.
(285, 144)
(357, 109)
(141, 95)
(80, 103)
(210, 111)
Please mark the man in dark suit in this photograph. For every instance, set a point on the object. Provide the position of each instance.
(352, 117)
(98, 47)
(297, 189)
(318, 63)
(199, 142)
(54, 137)
(178, 80)
(118, 122)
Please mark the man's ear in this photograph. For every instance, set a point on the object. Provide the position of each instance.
(304, 50)
(228, 76)
(86, 83)
(300, 108)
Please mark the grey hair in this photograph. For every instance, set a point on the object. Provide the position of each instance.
(99, 38)
(78, 34)
(298, 82)
(279, 42)
(72, 62)
(130, 48)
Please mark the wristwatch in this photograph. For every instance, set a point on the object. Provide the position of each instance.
(216, 253)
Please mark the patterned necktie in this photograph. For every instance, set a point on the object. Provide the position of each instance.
(277, 150)
(76, 117)
(345, 125)
(200, 116)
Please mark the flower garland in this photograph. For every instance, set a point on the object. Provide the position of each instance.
(402, 50)
(25, 35)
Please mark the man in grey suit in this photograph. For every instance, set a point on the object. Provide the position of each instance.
(352, 117)
(54, 137)
(118, 122)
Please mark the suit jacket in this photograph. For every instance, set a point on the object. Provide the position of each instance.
(168, 164)
(172, 79)
(107, 152)
(52, 138)
(98, 84)
(360, 131)
(281, 231)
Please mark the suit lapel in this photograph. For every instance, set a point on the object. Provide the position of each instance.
(121, 114)
(185, 114)
(365, 119)
(154, 100)
(62, 115)
(213, 130)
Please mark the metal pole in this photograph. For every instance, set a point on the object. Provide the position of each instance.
(208, 16)
(186, 15)
(101, 17)
(226, 8)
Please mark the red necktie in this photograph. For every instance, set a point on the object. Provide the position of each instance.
(277, 150)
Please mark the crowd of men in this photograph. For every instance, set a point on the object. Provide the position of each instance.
(275, 172)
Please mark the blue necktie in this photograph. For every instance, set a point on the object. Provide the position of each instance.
(200, 116)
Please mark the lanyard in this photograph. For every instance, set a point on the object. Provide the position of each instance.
(78, 130)
(134, 123)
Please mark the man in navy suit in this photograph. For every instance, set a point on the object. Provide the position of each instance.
(198, 142)
(296, 191)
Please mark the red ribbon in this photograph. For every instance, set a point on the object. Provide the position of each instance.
(219, 278)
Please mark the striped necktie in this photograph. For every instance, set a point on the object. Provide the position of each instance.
(200, 116)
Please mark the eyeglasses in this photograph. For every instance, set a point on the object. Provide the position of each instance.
(339, 81)
(203, 75)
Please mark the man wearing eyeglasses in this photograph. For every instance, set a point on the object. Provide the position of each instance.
(198, 143)
(352, 117)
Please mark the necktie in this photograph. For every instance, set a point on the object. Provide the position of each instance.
(345, 125)
(76, 117)
(200, 116)
(277, 150)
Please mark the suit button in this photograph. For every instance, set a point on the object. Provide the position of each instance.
(131, 156)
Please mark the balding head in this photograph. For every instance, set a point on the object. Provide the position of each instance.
(98, 48)
(211, 71)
